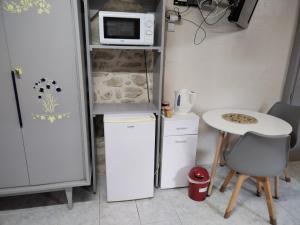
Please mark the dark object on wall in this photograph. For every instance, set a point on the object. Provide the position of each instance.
(180, 2)
(242, 11)
(193, 3)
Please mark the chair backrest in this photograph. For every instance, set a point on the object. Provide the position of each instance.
(258, 155)
(290, 114)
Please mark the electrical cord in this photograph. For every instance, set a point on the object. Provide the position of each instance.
(205, 21)
(146, 72)
(179, 13)
(199, 26)
(200, 6)
(176, 9)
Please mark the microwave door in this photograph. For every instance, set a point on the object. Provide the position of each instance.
(119, 30)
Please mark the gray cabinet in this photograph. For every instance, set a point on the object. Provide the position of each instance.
(50, 149)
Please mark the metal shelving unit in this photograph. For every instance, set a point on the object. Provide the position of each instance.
(119, 108)
(153, 48)
(153, 6)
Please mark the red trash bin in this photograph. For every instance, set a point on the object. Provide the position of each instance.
(198, 183)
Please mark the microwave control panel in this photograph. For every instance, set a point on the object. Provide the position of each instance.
(149, 29)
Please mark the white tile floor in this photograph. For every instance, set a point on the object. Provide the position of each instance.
(168, 207)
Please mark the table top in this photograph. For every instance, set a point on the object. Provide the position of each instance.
(265, 124)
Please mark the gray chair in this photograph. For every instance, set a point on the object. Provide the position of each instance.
(290, 114)
(260, 157)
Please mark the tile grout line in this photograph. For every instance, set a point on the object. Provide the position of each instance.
(180, 221)
(137, 209)
(278, 205)
(178, 217)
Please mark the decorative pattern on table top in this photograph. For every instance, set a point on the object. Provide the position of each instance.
(239, 118)
(48, 91)
(12, 6)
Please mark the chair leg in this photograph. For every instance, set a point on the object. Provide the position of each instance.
(259, 188)
(227, 180)
(269, 200)
(234, 195)
(276, 185)
(286, 175)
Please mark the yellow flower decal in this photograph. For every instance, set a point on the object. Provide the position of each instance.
(49, 103)
(12, 6)
(51, 117)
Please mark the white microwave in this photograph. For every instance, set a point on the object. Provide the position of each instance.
(122, 28)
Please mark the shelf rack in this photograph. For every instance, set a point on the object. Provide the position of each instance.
(126, 108)
(158, 8)
(153, 48)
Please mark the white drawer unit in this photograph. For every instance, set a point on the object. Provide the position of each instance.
(180, 125)
(179, 146)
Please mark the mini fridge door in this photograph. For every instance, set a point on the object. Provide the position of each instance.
(129, 149)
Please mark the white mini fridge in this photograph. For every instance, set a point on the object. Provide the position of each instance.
(130, 152)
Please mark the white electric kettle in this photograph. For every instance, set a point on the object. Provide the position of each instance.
(184, 100)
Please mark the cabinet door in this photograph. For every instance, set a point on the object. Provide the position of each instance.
(13, 168)
(178, 157)
(42, 45)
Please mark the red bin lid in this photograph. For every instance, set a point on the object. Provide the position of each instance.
(199, 174)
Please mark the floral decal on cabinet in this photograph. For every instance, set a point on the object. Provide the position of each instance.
(47, 94)
(12, 6)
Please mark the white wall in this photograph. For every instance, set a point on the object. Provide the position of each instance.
(232, 67)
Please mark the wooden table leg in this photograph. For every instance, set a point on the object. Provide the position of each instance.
(215, 162)
(224, 148)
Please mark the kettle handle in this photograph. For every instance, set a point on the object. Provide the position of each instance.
(192, 97)
(178, 100)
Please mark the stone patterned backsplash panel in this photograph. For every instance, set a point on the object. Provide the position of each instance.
(121, 87)
(119, 76)
(112, 60)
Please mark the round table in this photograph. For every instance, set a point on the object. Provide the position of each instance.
(264, 124)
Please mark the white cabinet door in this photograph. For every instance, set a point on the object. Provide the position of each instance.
(178, 157)
(129, 149)
(13, 167)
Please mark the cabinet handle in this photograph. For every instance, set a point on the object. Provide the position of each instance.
(18, 71)
(17, 98)
(130, 126)
(180, 142)
(181, 128)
